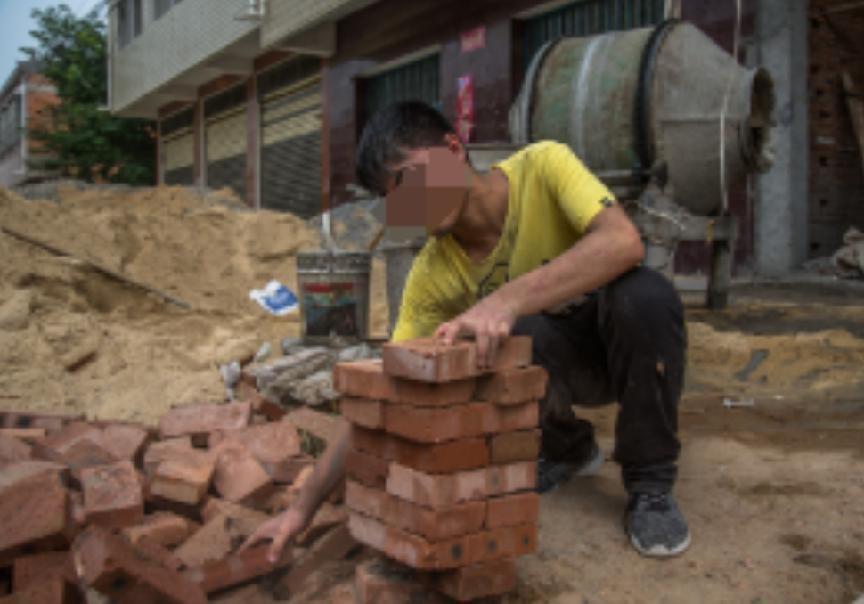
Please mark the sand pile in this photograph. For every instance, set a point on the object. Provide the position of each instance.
(72, 339)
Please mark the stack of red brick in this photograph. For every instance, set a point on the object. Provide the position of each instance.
(442, 466)
(141, 515)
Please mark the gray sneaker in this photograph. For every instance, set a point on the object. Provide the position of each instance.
(655, 525)
(551, 474)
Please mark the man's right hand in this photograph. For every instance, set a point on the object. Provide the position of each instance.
(280, 529)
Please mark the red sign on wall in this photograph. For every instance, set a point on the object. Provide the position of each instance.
(465, 107)
(473, 39)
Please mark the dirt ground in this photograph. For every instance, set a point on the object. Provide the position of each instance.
(773, 491)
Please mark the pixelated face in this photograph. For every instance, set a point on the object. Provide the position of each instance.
(428, 188)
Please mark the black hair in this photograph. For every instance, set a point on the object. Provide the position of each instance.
(396, 127)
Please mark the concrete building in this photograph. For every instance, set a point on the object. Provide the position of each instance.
(25, 101)
(269, 97)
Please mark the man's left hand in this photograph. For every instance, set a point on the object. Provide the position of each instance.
(488, 321)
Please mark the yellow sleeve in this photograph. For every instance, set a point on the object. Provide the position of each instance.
(580, 194)
(418, 315)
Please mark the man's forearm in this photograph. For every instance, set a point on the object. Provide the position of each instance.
(594, 261)
(328, 472)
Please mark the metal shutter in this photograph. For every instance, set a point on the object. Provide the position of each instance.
(291, 149)
(415, 81)
(178, 148)
(589, 17)
(225, 118)
(226, 152)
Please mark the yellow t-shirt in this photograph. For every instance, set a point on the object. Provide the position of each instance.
(553, 198)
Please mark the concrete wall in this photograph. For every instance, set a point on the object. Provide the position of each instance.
(781, 216)
(184, 37)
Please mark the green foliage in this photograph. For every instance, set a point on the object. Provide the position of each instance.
(86, 141)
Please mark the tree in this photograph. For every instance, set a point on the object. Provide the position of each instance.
(83, 138)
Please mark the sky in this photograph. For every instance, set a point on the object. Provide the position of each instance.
(15, 25)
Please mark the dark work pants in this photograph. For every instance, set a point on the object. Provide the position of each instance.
(626, 342)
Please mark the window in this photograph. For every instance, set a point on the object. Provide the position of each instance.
(160, 7)
(586, 18)
(418, 80)
(10, 123)
(130, 20)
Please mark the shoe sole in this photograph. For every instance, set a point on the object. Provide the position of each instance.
(660, 551)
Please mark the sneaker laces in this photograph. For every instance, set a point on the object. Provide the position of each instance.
(650, 502)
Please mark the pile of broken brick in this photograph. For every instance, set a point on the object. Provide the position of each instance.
(441, 473)
(144, 515)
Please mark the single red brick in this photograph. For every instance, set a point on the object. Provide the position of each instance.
(83, 454)
(200, 419)
(37, 568)
(11, 473)
(70, 434)
(511, 510)
(238, 475)
(511, 478)
(184, 481)
(363, 379)
(513, 352)
(448, 457)
(212, 542)
(436, 424)
(244, 519)
(435, 524)
(444, 490)
(507, 418)
(111, 565)
(14, 449)
(409, 549)
(25, 434)
(51, 590)
(365, 412)
(272, 444)
(429, 360)
(366, 469)
(157, 552)
(366, 379)
(477, 581)
(170, 449)
(28, 419)
(164, 528)
(512, 386)
(125, 441)
(325, 426)
(508, 447)
(502, 542)
(33, 509)
(112, 495)
(382, 581)
(436, 490)
(237, 568)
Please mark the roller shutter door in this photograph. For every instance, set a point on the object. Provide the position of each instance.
(226, 152)
(291, 149)
(178, 149)
(225, 136)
